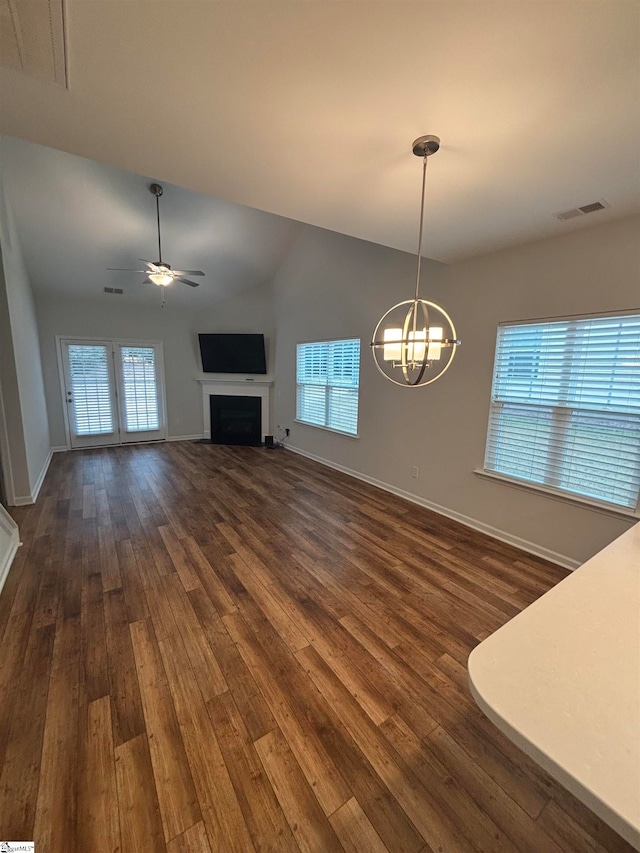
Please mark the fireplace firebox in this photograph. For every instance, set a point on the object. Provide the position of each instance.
(235, 420)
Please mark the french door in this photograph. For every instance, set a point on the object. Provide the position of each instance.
(113, 392)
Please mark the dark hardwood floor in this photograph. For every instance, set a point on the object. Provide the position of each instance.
(226, 649)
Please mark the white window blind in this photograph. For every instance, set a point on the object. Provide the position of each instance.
(565, 406)
(139, 388)
(91, 389)
(328, 378)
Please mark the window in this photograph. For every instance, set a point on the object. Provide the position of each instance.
(565, 407)
(328, 382)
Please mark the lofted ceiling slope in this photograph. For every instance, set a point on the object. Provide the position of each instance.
(75, 218)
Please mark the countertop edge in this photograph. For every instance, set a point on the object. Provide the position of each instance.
(615, 820)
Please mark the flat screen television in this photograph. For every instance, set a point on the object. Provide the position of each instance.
(232, 353)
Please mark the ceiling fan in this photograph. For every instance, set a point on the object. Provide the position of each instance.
(159, 272)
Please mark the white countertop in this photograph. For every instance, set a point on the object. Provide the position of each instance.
(562, 680)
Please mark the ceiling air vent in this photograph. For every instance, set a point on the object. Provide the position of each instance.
(590, 208)
(33, 38)
(582, 211)
(115, 290)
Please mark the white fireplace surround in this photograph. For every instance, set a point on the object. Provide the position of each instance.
(237, 388)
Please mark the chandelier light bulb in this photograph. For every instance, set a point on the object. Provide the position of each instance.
(392, 344)
(417, 346)
(435, 347)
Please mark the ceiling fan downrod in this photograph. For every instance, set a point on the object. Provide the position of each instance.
(157, 191)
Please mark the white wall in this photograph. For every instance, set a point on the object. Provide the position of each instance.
(333, 286)
(26, 441)
(113, 317)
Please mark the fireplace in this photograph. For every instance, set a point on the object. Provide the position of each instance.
(236, 387)
(235, 420)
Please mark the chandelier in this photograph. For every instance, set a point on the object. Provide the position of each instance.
(415, 341)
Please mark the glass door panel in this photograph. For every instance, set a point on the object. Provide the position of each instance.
(139, 386)
(90, 393)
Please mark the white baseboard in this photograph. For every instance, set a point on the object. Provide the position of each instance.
(22, 500)
(62, 448)
(185, 437)
(9, 535)
(25, 500)
(42, 475)
(6, 561)
(474, 524)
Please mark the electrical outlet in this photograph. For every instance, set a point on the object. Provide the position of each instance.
(414, 472)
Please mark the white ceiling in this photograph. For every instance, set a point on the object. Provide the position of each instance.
(308, 110)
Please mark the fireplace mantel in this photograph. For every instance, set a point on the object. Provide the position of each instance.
(235, 387)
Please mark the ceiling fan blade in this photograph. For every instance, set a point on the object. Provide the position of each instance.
(149, 263)
(121, 269)
(148, 281)
(190, 283)
(188, 272)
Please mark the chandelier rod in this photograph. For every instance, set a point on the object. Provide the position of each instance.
(424, 183)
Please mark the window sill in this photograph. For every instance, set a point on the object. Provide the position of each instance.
(556, 494)
(327, 429)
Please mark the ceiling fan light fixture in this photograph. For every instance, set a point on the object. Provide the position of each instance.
(414, 342)
(162, 274)
(162, 279)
